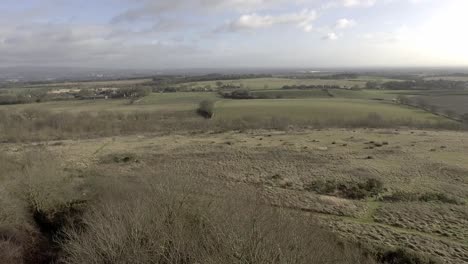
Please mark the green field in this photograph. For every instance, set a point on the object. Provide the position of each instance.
(154, 102)
(315, 105)
(277, 83)
(300, 105)
(279, 94)
(318, 109)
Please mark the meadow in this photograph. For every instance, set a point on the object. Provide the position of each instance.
(319, 109)
(306, 176)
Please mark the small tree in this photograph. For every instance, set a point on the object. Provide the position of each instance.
(206, 109)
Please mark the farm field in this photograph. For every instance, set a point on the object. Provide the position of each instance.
(285, 166)
(455, 103)
(278, 83)
(159, 102)
(319, 109)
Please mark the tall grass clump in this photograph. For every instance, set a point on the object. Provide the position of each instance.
(36, 200)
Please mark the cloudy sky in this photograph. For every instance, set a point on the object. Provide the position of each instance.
(233, 33)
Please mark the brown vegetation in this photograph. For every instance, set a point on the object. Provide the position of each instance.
(151, 220)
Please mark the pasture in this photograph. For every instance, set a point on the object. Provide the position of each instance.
(155, 102)
(315, 107)
(319, 109)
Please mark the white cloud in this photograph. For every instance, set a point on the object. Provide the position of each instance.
(147, 9)
(344, 23)
(252, 21)
(356, 3)
(330, 36)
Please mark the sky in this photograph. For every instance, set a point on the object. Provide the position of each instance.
(157, 34)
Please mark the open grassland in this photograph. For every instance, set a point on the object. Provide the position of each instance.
(284, 94)
(169, 112)
(380, 95)
(317, 104)
(318, 109)
(158, 102)
(285, 168)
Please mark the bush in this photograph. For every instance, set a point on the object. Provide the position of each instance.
(36, 199)
(350, 189)
(401, 196)
(206, 109)
(239, 94)
(403, 256)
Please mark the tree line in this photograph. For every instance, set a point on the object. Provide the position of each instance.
(418, 85)
(421, 103)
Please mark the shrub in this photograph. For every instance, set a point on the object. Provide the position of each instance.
(439, 197)
(350, 189)
(36, 201)
(404, 256)
(206, 109)
(400, 196)
(239, 94)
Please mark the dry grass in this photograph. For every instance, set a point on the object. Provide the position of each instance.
(33, 125)
(166, 114)
(35, 199)
(139, 182)
(150, 219)
(450, 221)
(161, 223)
